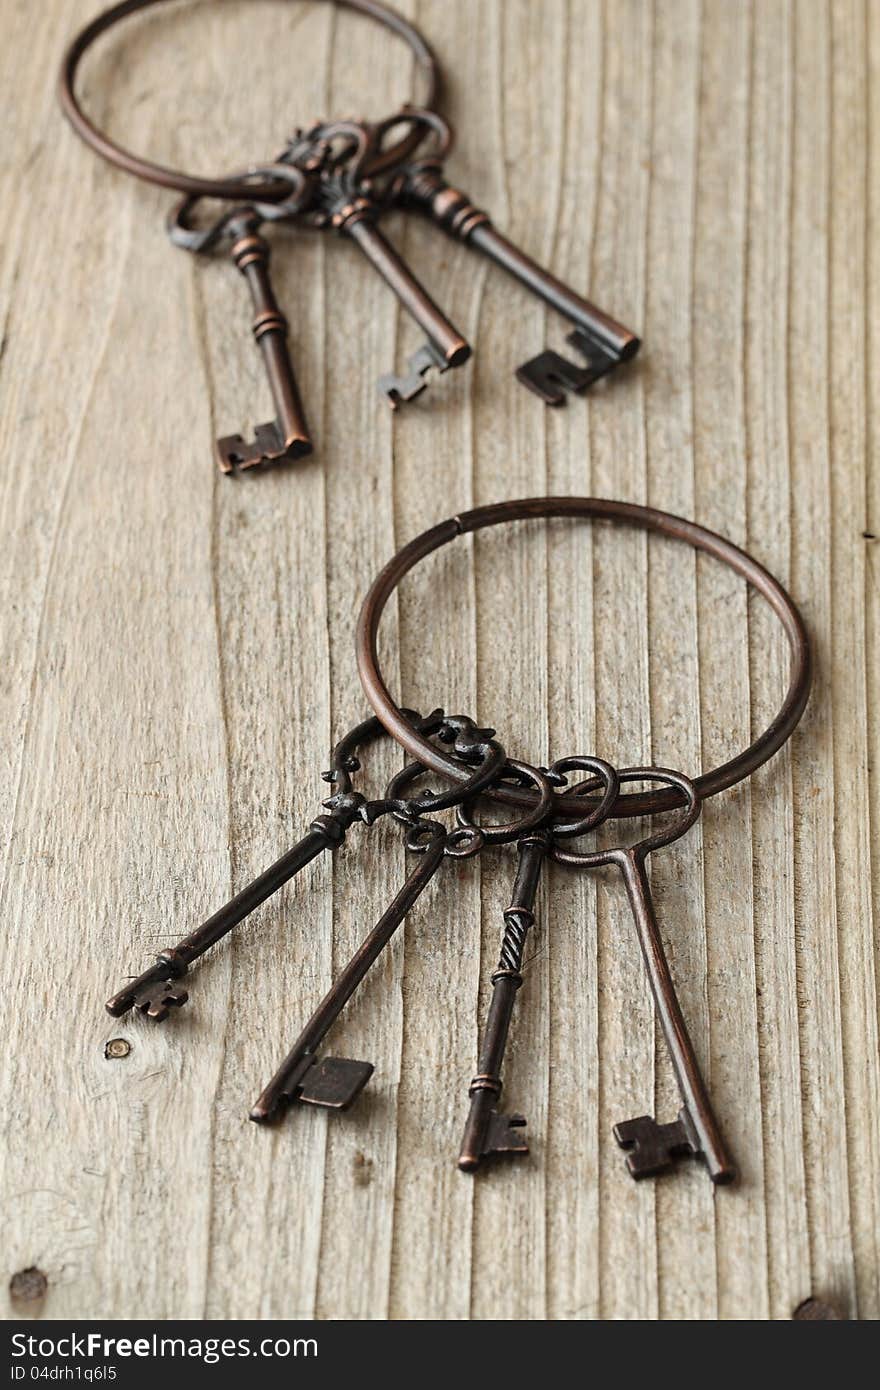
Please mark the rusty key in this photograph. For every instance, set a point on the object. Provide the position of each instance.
(156, 991)
(287, 436)
(487, 1132)
(445, 347)
(337, 1081)
(654, 1147)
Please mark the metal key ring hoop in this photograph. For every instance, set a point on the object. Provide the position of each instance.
(230, 186)
(646, 518)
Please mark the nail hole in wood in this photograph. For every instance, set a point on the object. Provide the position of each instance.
(28, 1285)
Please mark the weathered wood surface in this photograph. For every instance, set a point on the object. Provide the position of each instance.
(178, 651)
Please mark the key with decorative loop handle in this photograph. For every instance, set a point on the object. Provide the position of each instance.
(653, 1147)
(336, 1082)
(287, 436)
(158, 989)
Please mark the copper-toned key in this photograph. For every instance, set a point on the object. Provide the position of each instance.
(599, 339)
(652, 1147)
(287, 436)
(332, 156)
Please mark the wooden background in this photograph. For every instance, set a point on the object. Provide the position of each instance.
(177, 653)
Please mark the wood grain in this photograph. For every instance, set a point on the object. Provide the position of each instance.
(178, 655)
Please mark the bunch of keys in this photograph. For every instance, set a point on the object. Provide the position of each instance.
(345, 175)
(329, 171)
(306, 1077)
(551, 814)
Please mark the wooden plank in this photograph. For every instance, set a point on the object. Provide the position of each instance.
(433, 463)
(815, 787)
(570, 955)
(852, 678)
(770, 292)
(116, 756)
(357, 460)
(720, 439)
(685, 1239)
(511, 1199)
(270, 597)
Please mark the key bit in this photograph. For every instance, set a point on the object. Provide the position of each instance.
(551, 376)
(504, 1135)
(655, 1147)
(156, 999)
(334, 1083)
(142, 988)
(268, 446)
(489, 1133)
(405, 388)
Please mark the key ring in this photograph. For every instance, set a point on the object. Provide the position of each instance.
(708, 784)
(235, 187)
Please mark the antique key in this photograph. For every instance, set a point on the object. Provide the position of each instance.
(601, 340)
(487, 1132)
(654, 1147)
(333, 156)
(287, 436)
(156, 991)
(336, 1082)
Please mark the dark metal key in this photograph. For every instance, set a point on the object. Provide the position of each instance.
(445, 347)
(336, 1082)
(331, 158)
(654, 1147)
(287, 436)
(158, 989)
(487, 1132)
